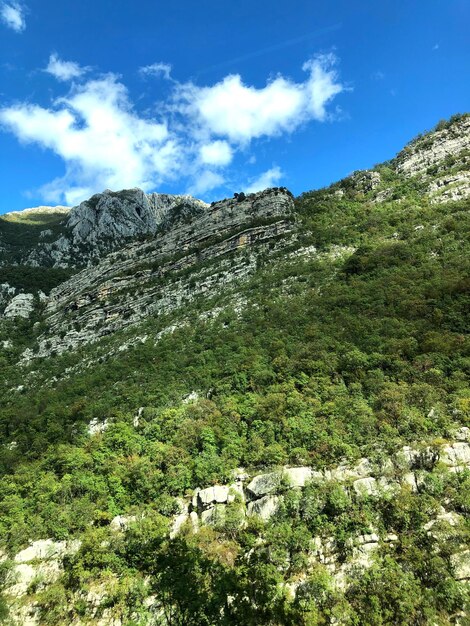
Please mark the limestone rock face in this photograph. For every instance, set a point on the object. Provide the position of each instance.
(449, 188)
(101, 224)
(461, 564)
(109, 218)
(263, 484)
(24, 574)
(365, 486)
(109, 214)
(265, 507)
(42, 549)
(298, 476)
(456, 454)
(21, 305)
(433, 149)
(215, 495)
(125, 285)
(123, 214)
(463, 434)
(211, 495)
(122, 522)
(367, 181)
(40, 562)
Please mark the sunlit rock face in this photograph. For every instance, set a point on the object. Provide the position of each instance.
(123, 214)
(21, 305)
(433, 149)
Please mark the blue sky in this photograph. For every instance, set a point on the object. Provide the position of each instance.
(213, 97)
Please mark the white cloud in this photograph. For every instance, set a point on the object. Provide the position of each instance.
(12, 15)
(64, 70)
(205, 181)
(156, 69)
(242, 113)
(216, 153)
(193, 137)
(265, 180)
(101, 139)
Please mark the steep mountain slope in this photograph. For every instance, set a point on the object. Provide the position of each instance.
(250, 413)
(82, 235)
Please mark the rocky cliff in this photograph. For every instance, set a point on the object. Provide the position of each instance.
(435, 164)
(104, 223)
(129, 285)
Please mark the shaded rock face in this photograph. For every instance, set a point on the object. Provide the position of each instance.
(7, 293)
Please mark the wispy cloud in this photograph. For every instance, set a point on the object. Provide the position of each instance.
(156, 69)
(12, 15)
(378, 75)
(64, 70)
(193, 137)
(206, 181)
(102, 141)
(267, 179)
(435, 46)
(281, 44)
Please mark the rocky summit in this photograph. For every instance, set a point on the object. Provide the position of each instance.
(250, 412)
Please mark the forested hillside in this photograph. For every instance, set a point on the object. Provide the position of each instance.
(329, 334)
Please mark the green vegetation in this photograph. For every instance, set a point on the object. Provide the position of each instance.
(34, 279)
(352, 350)
(22, 231)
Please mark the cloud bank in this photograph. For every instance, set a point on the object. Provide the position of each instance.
(12, 15)
(194, 136)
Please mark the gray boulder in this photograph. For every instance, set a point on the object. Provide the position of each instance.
(461, 565)
(456, 454)
(264, 484)
(265, 507)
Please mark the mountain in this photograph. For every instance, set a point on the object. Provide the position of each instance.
(250, 412)
(82, 235)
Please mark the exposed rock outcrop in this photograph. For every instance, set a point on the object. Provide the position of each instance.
(41, 563)
(126, 285)
(124, 214)
(21, 305)
(105, 221)
(433, 149)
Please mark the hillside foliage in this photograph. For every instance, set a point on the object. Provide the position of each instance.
(352, 349)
